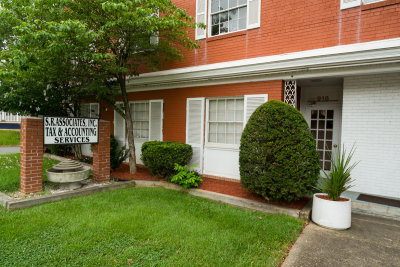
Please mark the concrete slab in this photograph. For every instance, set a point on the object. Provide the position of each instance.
(9, 149)
(371, 241)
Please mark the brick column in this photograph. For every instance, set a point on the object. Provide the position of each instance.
(101, 153)
(31, 150)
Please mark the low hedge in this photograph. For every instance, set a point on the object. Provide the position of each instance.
(161, 157)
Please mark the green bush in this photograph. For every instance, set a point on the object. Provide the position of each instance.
(117, 154)
(186, 176)
(160, 157)
(60, 150)
(278, 159)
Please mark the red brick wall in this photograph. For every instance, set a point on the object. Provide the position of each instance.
(31, 155)
(291, 26)
(101, 153)
(174, 124)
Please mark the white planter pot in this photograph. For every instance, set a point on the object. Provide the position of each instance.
(331, 214)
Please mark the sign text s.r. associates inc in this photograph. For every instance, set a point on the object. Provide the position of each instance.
(61, 130)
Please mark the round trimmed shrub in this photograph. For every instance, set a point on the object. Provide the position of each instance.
(160, 157)
(278, 159)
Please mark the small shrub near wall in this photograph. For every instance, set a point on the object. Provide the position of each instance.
(161, 157)
(278, 159)
(117, 154)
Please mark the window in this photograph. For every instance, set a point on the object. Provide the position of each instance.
(228, 16)
(225, 120)
(140, 118)
(90, 110)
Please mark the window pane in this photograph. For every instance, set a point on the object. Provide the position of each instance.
(233, 14)
(243, 12)
(221, 133)
(223, 4)
(213, 127)
(239, 106)
(214, 6)
(215, 19)
(215, 30)
(223, 27)
(233, 3)
(213, 110)
(230, 133)
(213, 133)
(230, 110)
(221, 110)
(223, 17)
(242, 2)
(242, 23)
(233, 25)
(238, 132)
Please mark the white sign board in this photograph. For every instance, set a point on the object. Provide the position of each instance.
(62, 130)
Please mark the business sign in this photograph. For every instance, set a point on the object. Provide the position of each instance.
(61, 130)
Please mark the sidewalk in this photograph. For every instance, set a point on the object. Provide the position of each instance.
(9, 149)
(371, 241)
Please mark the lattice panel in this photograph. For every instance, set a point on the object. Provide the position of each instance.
(290, 93)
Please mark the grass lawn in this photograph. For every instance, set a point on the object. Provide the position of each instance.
(9, 171)
(9, 138)
(143, 227)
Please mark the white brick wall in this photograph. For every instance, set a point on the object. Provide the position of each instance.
(371, 121)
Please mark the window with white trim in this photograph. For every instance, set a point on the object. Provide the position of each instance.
(90, 110)
(225, 120)
(228, 16)
(140, 117)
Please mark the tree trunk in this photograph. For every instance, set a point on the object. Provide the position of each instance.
(129, 125)
(77, 150)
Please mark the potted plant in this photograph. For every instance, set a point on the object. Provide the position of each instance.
(330, 209)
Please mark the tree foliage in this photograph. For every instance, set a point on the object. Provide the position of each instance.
(56, 52)
(278, 159)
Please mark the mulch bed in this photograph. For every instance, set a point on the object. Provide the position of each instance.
(209, 184)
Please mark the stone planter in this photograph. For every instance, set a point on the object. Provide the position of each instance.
(331, 214)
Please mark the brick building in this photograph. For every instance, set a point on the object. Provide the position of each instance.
(336, 61)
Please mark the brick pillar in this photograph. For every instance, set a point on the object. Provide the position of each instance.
(101, 153)
(31, 150)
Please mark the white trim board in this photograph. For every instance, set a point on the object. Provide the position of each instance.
(370, 57)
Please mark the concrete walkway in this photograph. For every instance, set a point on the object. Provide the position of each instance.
(9, 149)
(371, 241)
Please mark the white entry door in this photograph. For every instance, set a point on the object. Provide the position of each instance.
(324, 120)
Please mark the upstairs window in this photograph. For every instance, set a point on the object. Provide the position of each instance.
(228, 16)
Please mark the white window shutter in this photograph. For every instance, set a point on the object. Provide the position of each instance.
(94, 110)
(156, 120)
(201, 17)
(195, 130)
(119, 128)
(253, 13)
(251, 103)
(349, 3)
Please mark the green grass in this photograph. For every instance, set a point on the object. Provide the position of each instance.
(9, 138)
(10, 169)
(143, 227)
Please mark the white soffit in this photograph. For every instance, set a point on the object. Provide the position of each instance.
(370, 57)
